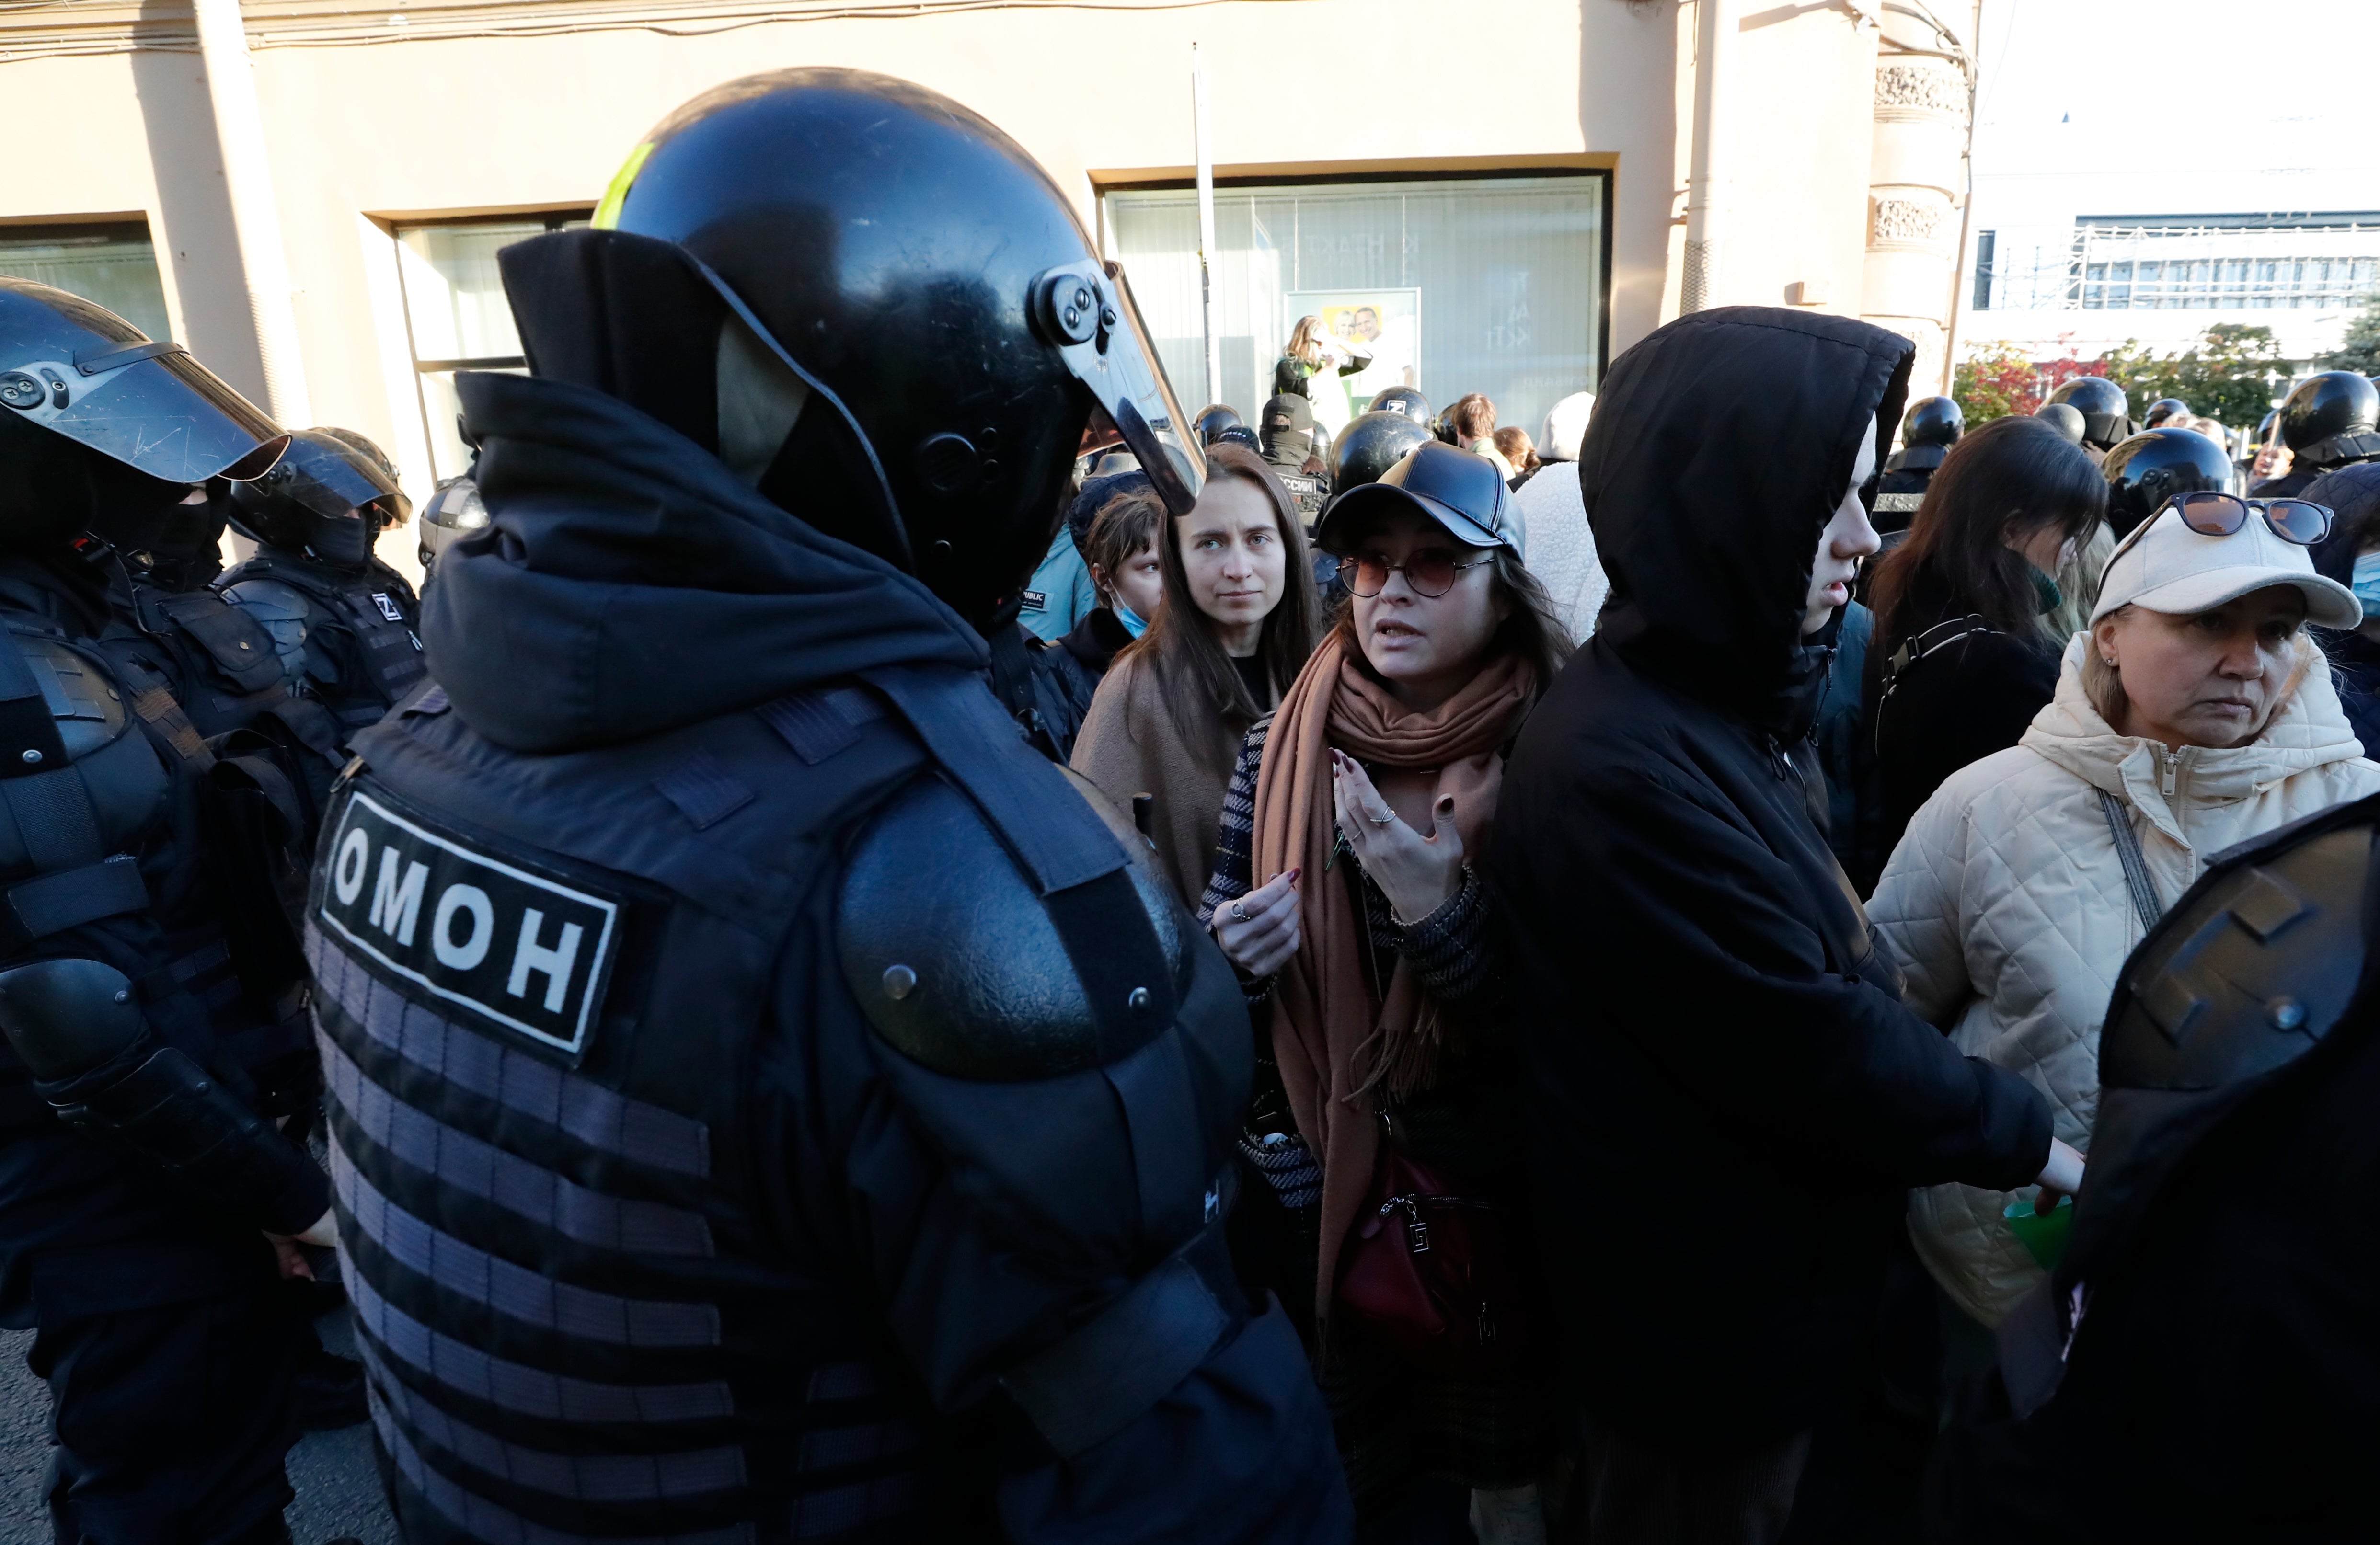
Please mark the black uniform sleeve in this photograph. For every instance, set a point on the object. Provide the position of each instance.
(1829, 1070)
(994, 1221)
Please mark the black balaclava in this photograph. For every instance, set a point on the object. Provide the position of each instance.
(1287, 431)
(48, 496)
(167, 539)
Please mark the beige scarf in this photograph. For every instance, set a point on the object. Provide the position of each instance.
(1335, 1039)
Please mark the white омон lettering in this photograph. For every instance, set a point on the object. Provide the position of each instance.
(354, 857)
(395, 909)
(471, 951)
(556, 962)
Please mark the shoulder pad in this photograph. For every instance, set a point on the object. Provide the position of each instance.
(90, 709)
(960, 965)
(2252, 968)
(268, 600)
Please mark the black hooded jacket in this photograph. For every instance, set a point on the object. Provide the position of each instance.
(1727, 1100)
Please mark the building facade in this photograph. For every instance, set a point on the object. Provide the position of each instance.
(311, 197)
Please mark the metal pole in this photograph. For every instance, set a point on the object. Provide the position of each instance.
(1707, 182)
(1206, 223)
(255, 217)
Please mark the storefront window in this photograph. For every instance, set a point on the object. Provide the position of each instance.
(456, 317)
(1490, 285)
(114, 265)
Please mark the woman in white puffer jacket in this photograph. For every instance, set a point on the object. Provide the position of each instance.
(2197, 711)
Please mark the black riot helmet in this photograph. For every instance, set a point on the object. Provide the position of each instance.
(2163, 409)
(939, 301)
(2102, 406)
(455, 511)
(1240, 435)
(2328, 420)
(1370, 444)
(2153, 465)
(80, 375)
(1931, 421)
(330, 495)
(1406, 400)
(2067, 420)
(1214, 418)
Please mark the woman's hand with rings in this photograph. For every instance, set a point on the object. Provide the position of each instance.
(1418, 874)
(1260, 930)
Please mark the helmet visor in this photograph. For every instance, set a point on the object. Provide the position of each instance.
(325, 481)
(161, 412)
(1087, 309)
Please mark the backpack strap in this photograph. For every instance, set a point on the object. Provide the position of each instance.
(1940, 637)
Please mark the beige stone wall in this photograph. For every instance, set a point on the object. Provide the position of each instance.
(364, 133)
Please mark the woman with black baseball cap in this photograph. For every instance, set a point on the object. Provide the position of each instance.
(1387, 1054)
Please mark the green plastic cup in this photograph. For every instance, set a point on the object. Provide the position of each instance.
(2043, 1239)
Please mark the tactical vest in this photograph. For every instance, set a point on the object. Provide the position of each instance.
(372, 655)
(107, 787)
(1307, 493)
(541, 988)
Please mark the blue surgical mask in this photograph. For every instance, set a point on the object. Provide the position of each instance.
(2367, 581)
(1131, 624)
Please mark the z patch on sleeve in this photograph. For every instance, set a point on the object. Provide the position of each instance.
(521, 951)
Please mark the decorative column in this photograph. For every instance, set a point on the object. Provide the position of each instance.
(1706, 180)
(1917, 180)
(255, 215)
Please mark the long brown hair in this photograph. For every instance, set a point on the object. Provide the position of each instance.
(1530, 628)
(2012, 473)
(1198, 677)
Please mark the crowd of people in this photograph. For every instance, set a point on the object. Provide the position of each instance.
(1697, 977)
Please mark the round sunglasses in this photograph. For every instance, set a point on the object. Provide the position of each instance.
(1431, 572)
(2224, 514)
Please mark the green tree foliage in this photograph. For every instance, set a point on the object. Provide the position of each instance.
(2231, 375)
(2361, 351)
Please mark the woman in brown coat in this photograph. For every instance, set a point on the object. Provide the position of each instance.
(1236, 626)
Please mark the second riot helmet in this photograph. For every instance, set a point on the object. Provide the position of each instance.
(1406, 400)
(1214, 418)
(2102, 406)
(2153, 465)
(330, 494)
(2328, 420)
(1370, 444)
(1931, 421)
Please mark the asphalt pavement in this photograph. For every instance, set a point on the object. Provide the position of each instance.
(338, 1492)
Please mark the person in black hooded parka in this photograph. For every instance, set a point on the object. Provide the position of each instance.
(1727, 1100)
(2352, 496)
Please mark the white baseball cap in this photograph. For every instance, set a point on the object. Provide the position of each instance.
(2165, 566)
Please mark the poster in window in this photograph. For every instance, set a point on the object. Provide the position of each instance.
(1385, 324)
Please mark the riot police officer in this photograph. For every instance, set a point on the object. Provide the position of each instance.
(1370, 444)
(2328, 421)
(2199, 1366)
(2163, 409)
(2066, 420)
(1406, 400)
(837, 1106)
(1929, 429)
(2102, 406)
(1214, 418)
(1287, 440)
(2155, 465)
(151, 998)
(344, 625)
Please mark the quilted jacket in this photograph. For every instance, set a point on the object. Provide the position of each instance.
(2006, 908)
